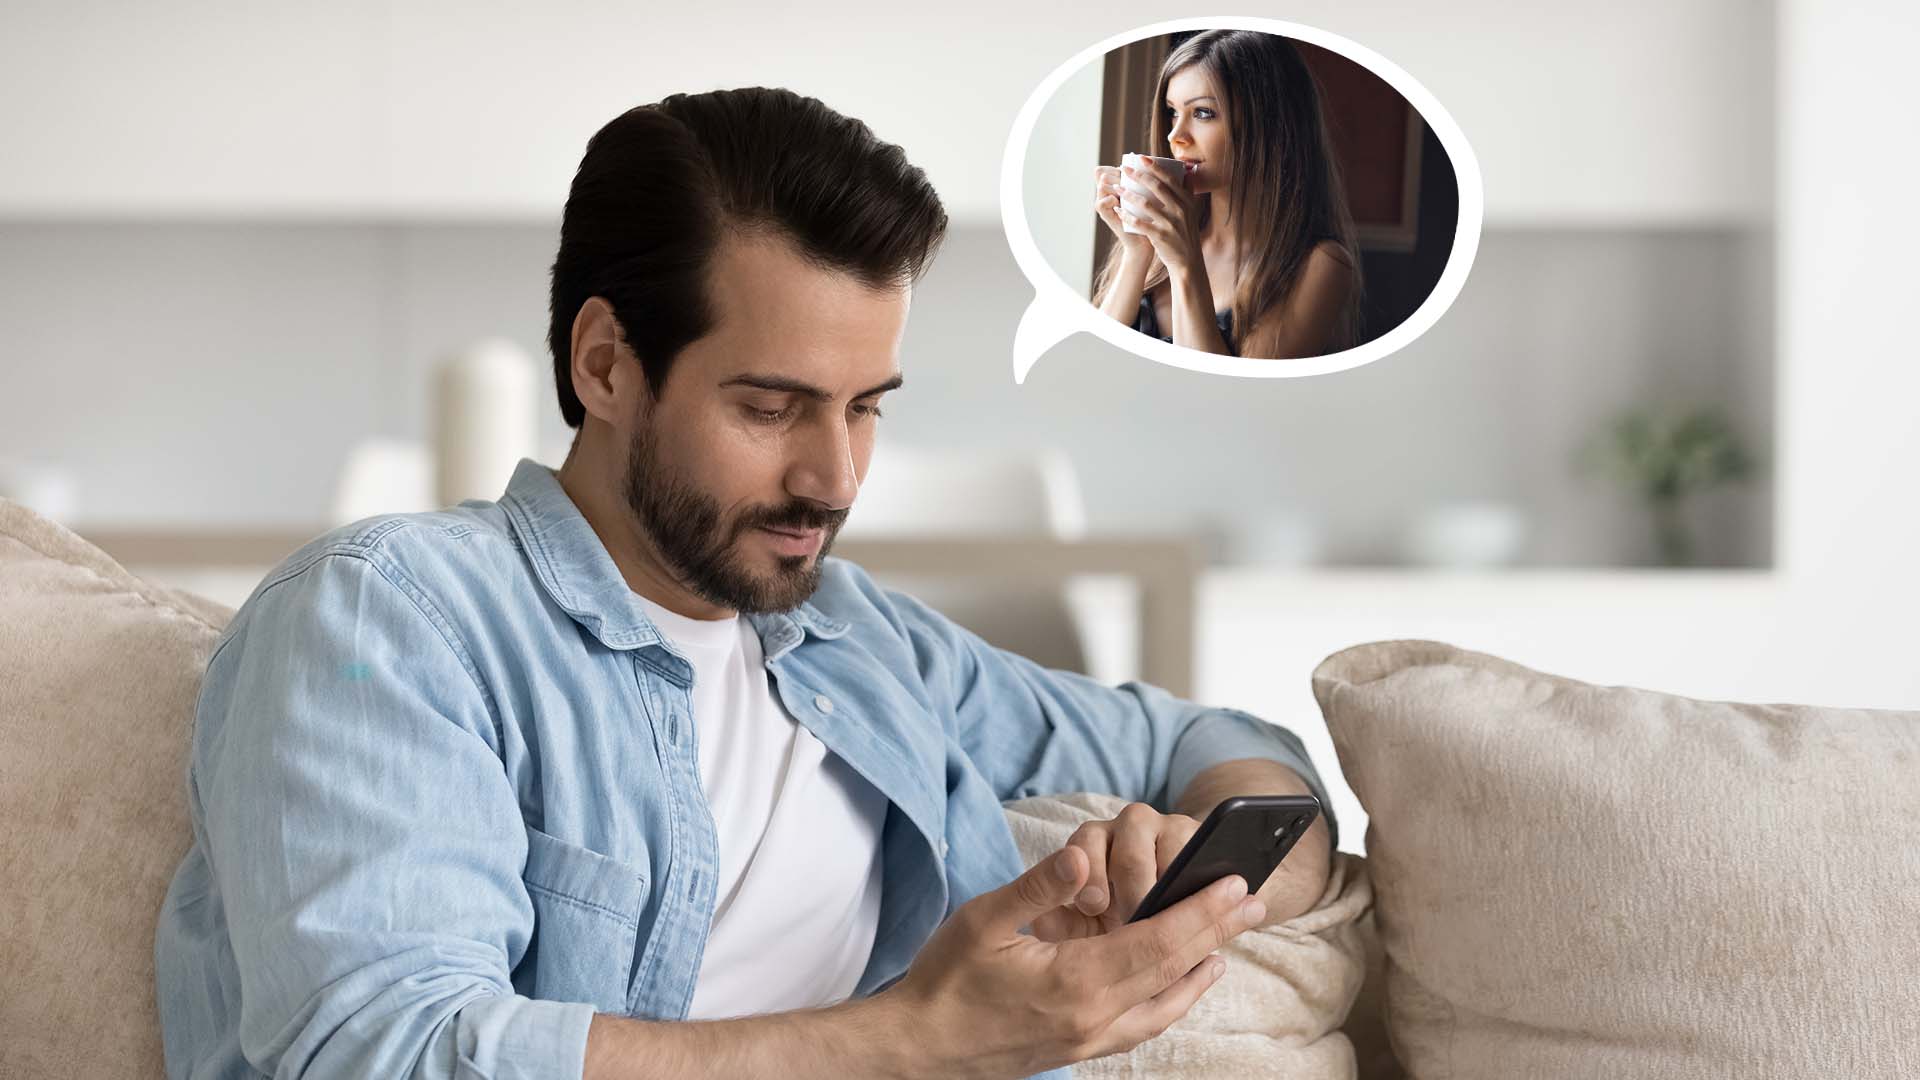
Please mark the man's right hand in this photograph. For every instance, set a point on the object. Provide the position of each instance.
(984, 1001)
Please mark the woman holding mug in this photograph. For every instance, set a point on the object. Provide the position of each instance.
(1253, 255)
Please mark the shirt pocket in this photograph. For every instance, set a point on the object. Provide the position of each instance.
(586, 924)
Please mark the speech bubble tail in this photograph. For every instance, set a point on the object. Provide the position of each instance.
(1041, 328)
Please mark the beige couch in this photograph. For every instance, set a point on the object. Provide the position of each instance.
(1568, 880)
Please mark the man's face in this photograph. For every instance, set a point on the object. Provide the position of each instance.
(743, 469)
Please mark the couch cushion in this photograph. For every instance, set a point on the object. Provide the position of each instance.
(98, 676)
(1584, 881)
(1278, 1009)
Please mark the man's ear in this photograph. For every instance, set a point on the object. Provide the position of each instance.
(603, 383)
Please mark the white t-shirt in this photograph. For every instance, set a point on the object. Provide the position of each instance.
(798, 901)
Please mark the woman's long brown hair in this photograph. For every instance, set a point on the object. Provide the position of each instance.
(1286, 191)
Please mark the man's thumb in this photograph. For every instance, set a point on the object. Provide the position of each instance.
(1048, 884)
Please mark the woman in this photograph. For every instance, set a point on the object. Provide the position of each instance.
(1254, 255)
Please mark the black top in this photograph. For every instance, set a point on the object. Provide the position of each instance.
(1149, 324)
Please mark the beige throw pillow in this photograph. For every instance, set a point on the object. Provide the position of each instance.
(1582, 881)
(99, 672)
(1276, 1012)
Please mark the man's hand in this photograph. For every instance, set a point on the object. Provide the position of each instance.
(983, 1000)
(1128, 853)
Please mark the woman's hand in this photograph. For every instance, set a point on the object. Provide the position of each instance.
(1106, 203)
(1168, 216)
(1127, 854)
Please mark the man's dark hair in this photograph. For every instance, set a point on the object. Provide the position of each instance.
(660, 185)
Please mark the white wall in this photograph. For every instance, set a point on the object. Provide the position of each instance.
(1631, 112)
(218, 373)
(1849, 383)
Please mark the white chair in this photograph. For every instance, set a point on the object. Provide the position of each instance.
(398, 476)
(915, 493)
(383, 476)
(483, 418)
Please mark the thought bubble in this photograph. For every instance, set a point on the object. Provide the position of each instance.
(1058, 310)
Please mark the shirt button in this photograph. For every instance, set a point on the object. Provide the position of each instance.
(823, 703)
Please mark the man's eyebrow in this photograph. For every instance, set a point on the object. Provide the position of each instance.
(891, 384)
(782, 385)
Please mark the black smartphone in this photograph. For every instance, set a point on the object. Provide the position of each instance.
(1246, 835)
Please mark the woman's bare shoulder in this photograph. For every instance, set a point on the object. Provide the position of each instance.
(1332, 253)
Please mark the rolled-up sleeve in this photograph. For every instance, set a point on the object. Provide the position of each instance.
(365, 842)
(1038, 731)
(1218, 735)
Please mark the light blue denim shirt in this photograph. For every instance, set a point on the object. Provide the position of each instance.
(446, 806)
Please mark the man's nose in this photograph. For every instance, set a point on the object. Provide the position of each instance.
(824, 472)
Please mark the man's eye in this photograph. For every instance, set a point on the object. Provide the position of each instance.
(867, 410)
(769, 416)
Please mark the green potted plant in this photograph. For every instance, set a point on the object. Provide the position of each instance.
(1665, 456)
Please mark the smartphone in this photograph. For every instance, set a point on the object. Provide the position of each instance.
(1246, 835)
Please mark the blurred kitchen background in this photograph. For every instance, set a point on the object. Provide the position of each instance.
(238, 243)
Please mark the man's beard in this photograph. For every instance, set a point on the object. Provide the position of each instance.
(700, 549)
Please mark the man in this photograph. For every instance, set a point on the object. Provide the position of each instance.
(554, 786)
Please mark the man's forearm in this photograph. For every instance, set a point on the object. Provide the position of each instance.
(1296, 886)
(862, 1038)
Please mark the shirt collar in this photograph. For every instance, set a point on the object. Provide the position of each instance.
(576, 570)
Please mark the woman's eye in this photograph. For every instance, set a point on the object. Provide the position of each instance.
(1203, 114)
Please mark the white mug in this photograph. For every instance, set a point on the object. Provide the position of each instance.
(1172, 168)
